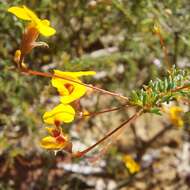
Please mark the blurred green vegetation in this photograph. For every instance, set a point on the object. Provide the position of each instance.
(113, 37)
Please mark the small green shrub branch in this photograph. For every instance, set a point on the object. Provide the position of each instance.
(152, 96)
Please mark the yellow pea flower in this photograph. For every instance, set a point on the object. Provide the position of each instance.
(175, 116)
(56, 140)
(31, 33)
(24, 13)
(70, 91)
(59, 114)
(131, 164)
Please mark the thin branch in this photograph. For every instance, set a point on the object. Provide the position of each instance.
(49, 75)
(110, 134)
(176, 44)
(92, 114)
(164, 48)
(181, 88)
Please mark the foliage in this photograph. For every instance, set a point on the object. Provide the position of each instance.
(153, 95)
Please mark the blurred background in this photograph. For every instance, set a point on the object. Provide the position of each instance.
(114, 38)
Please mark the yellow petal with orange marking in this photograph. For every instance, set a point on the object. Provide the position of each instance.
(52, 144)
(70, 78)
(61, 113)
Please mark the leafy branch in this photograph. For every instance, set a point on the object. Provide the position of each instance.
(152, 96)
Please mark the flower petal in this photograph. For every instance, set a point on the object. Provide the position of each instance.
(74, 74)
(45, 22)
(32, 15)
(60, 85)
(45, 30)
(26, 14)
(61, 113)
(20, 13)
(78, 90)
(67, 96)
(51, 143)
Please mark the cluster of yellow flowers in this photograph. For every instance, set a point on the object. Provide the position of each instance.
(70, 91)
(68, 84)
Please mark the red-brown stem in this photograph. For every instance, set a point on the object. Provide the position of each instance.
(130, 120)
(104, 111)
(49, 75)
(181, 88)
(164, 50)
(187, 86)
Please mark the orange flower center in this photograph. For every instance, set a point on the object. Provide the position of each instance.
(60, 139)
(69, 87)
(55, 133)
(57, 123)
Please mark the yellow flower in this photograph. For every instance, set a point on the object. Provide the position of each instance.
(131, 165)
(175, 116)
(56, 140)
(59, 114)
(31, 33)
(24, 13)
(70, 91)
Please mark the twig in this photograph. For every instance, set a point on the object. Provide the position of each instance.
(49, 75)
(176, 42)
(164, 48)
(130, 120)
(92, 114)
